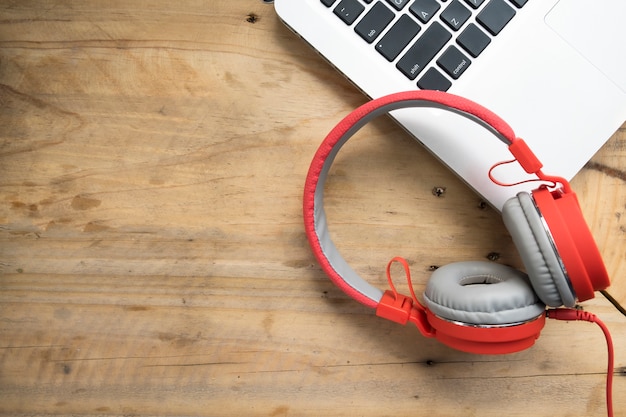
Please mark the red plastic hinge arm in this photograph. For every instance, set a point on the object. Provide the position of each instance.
(400, 309)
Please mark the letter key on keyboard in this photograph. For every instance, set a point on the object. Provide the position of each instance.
(495, 16)
(424, 10)
(455, 15)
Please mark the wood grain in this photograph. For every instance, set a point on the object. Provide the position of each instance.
(152, 254)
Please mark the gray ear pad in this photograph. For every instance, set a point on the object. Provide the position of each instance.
(539, 256)
(482, 293)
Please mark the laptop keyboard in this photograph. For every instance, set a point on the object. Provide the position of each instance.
(411, 33)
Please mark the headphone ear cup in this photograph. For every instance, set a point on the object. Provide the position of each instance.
(482, 293)
(523, 221)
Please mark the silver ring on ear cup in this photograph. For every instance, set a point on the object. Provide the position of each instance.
(536, 247)
(480, 293)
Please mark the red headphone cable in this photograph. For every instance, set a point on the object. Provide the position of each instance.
(580, 315)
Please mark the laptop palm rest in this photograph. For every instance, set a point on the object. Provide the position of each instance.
(568, 19)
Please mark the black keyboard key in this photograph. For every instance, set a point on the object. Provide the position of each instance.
(424, 10)
(423, 50)
(398, 4)
(473, 40)
(328, 3)
(374, 22)
(453, 62)
(398, 37)
(349, 10)
(475, 4)
(455, 15)
(495, 16)
(519, 3)
(434, 80)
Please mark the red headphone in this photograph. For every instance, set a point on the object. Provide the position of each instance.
(478, 307)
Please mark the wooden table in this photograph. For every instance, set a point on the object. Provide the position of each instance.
(152, 253)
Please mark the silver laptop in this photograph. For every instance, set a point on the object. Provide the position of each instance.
(554, 70)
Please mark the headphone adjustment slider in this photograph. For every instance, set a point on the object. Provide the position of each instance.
(399, 309)
(526, 158)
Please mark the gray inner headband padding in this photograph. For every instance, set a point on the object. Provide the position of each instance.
(482, 293)
(335, 259)
(538, 253)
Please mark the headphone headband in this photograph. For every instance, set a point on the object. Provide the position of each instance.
(316, 225)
